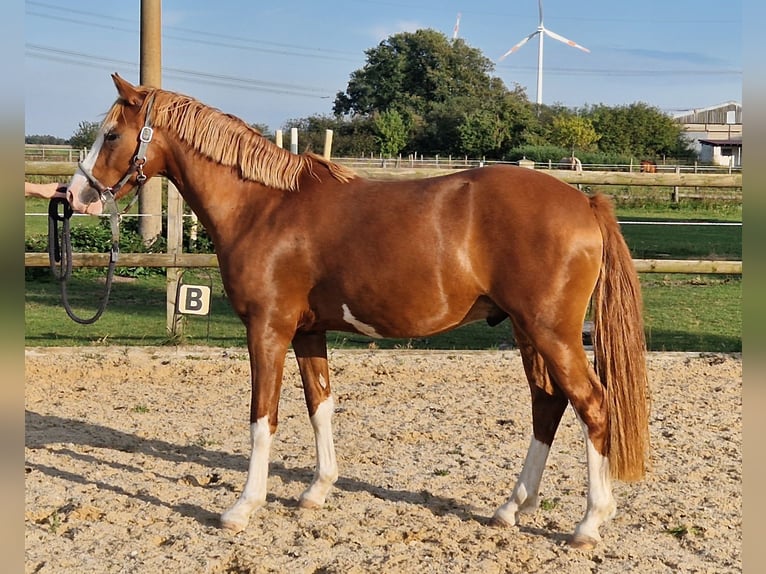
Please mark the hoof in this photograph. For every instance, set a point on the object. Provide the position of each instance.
(308, 504)
(499, 522)
(232, 526)
(233, 521)
(582, 542)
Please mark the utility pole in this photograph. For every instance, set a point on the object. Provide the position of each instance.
(150, 199)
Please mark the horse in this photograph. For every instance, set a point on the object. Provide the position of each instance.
(307, 246)
(648, 166)
(571, 162)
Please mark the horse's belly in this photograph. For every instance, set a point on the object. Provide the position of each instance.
(415, 318)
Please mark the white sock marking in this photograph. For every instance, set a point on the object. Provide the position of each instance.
(601, 506)
(327, 467)
(524, 495)
(254, 493)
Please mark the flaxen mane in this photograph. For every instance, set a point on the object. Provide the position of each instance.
(229, 141)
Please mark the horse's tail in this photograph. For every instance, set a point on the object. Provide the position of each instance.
(620, 349)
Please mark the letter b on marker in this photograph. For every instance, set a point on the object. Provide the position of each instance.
(194, 299)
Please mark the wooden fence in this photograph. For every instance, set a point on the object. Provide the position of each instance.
(189, 260)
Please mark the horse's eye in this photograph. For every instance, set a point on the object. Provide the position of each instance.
(110, 137)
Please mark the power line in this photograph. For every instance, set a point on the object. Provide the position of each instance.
(79, 58)
(220, 40)
(286, 49)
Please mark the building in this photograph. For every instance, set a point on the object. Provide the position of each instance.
(715, 132)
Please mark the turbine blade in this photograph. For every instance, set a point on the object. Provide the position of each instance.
(566, 40)
(457, 27)
(540, 10)
(519, 45)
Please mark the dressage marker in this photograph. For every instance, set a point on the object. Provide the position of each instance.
(306, 246)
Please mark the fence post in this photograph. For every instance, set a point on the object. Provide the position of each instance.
(675, 187)
(294, 140)
(174, 322)
(327, 144)
(278, 138)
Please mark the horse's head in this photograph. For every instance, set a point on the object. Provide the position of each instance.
(121, 156)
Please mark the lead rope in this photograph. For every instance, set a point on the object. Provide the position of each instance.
(60, 251)
(64, 258)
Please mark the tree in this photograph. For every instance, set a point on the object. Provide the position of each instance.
(636, 129)
(443, 92)
(351, 136)
(44, 140)
(263, 129)
(391, 132)
(410, 71)
(85, 135)
(573, 132)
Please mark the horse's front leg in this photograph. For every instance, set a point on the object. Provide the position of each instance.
(267, 358)
(311, 353)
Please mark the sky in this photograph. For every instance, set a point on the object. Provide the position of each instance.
(268, 63)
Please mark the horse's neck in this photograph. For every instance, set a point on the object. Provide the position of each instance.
(214, 191)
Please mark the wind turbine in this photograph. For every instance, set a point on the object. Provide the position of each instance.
(457, 28)
(541, 32)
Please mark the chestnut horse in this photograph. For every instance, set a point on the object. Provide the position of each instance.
(648, 166)
(306, 246)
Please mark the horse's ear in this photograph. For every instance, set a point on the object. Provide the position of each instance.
(127, 91)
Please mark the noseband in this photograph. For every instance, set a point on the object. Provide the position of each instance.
(107, 193)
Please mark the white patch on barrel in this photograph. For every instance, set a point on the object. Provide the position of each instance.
(363, 328)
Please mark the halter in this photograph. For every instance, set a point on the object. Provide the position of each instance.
(107, 193)
(63, 254)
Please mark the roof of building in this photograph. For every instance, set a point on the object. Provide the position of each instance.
(711, 115)
(734, 142)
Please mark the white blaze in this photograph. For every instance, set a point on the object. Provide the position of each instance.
(80, 183)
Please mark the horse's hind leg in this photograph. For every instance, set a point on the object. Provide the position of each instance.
(548, 406)
(311, 353)
(568, 365)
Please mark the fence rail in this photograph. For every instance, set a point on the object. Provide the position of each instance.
(52, 152)
(189, 260)
(64, 153)
(454, 163)
(677, 178)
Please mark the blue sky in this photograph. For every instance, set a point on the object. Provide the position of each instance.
(271, 62)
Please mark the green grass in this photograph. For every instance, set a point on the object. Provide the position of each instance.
(650, 241)
(693, 312)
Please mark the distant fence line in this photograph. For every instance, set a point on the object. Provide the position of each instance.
(53, 152)
(64, 153)
(455, 162)
(681, 176)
